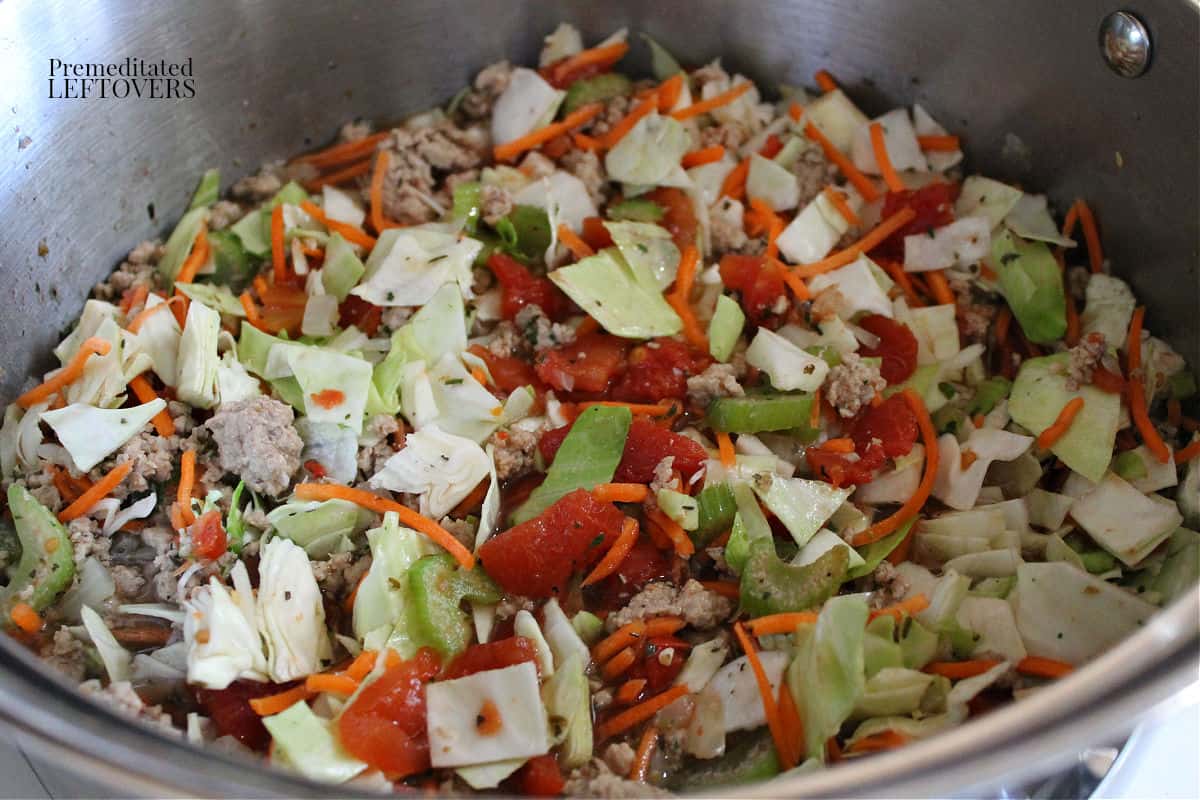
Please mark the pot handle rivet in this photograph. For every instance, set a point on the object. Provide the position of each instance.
(1125, 44)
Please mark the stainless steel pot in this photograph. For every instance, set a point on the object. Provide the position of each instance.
(1024, 81)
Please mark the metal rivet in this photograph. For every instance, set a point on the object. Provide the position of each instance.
(1125, 44)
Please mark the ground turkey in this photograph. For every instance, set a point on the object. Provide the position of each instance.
(718, 380)
(256, 440)
(852, 384)
(699, 607)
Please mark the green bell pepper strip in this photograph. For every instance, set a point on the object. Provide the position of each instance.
(47, 562)
(437, 588)
(770, 586)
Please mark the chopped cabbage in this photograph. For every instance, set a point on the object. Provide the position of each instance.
(961, 243)
(341, 206)
(569, 704)
(725, 328)
(565, 193)
(649, 154)
(986, 198)
(453, 708)
(822, 542)
(563, 41)
(334, 385)
(1124, 521)
(233, 382)
(291, 614)
(925, 125)
(787, 365)
(735, 684)
(561, 636)
(528, 103)
(1032, 283)
(218, 297)
(117, 660)
(707, 179)
(94, 314)
(198, 358)
(895, 485)
(772, 183)
(180, 242)
(309, 745)
(1047, 509)
(898, 137)
(381, 603)
(858, 286)
(1108, 307)
(803, 506)
(91, 434)
(812, 234)
(104, 377)
(342, 268)
(318, 525)
(320, 315)
(959, 488)
(662, 64)
(893, 691)
(408, 266)
(936, 332)
(626, 302)
(837, 117)
(1154, 475)
(1030, 219)
(525, 625)
(230, 647)
(702, 664)
(440, 467)
(648, 250)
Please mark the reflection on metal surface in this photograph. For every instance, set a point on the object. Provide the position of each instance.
(1125, 44)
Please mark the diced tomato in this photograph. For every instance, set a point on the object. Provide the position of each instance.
(492, 655)
(523, 288)
(508, 372)
(595, 234)
(359, 313)
(679, 215)
(589, 364)
(842, 470)
(759, 283)
(934, 205)
(230, 710)
(557, 147)
(315, 468)
(565, 71)
(385, 725)
(208, 536)
(659, 370)
(897, 347)
(541, 777)
(643, 564)
(646, 445)
(890, 426)
(771, 147)
(660, 671)
(538, 557)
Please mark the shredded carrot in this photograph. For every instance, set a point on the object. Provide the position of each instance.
(795, 111)
(767, 694)
(897, 273)
(362, 665)
(967, 458)
(381, 505)
(187, 480)
(940, 287)
(725, 448)
(645, 751)
(1137, 391)
(163, 424)
(825, 81)
(25, 618)
(870, 241)
(649, 409)
(781, 623)
(196, 258)
(905, 608)
(336, 684)
(1091, 235)
(913, 505)
(278, 246)
(616, 554)
(943, 143)
(619, 664)
(629, 691)
(734, 184)
(679, 539)
(685, 276)
(879, 146)
(253, 316)
(658, 537)
(691, 326)
(799, 288)
(274, 703)
(638, 713)
(602, 57)
(585, 142)
(838, 201)
(343, 175)
(1041, 667)
(705, 155)
(68, 374)
(344, 152)
(96, 493)
(146, 313)
(730, 589)
(1072, 335)
(1061, 425)
(348, 232)
(1174, 413)
(630, 633)
(884, 740)
(958, 670)
(1186, 454)
(132, 298)
(814, 413)
(510, 150)
(840, 445)
(791, 724)
(705, 106)
(620, 492)
(861, 182)
(378, 175)
(578, 247)
(669, 91)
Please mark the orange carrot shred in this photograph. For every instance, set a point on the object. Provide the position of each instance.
(70, 373)
(839, 445)
(884, 740)
(1091, 235)
(730, 589)
(163, 424)
(705, 155)
(913, 505)
(669, 91)
(905, 608)
(638, 713)
(879, 146)
(825, 81)
(861, 182)
(958, 670)
(1186, 454)
(578, 247)
(1061, 425)
(348, 232)
(378, 175)
(510, 150)
(362, 665)
(838, 201)
(943, 143)
(196, 258)
(650, 409)
(619, 664)
(96, 493)
(618, 640)
(381, 505)
(781, 623)
(25, 617)
(791, 724)
(814, 414)
(253, 316)
(705, 106)
(187, 480)
(344, 152)
(1137, 391)
(641, 758)
(620, 492)
(766, 693)
(1042, 667)
(603, 56)
(274, 703)
(343, 175)
(616, 554)
(734, 184)
(336, 684)
(629, 691)
(868, 242)
(896, 272)
(967, 458)
(679, 539)
(278, 248)
(940, 287)
(725, 449)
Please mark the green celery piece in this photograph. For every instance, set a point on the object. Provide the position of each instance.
(918, 644)
(761, 412)
(467, 201)
(253, 348)
(987, 394)
(47, 557)
(207, 190)
(1031, 282)
(179, 243)
(1129, 465)
(874, 553)
(749, 758)
(680, 507)
(770, 586)
(235, 525)
(529, 229)
(588, 456)
(662, 64)
(232, 265)
(342, 269)
(589, 627)
(437, 588)
(717, 510)
(725, 327)
(596, 89)
(749, 525)
(880, 649)
(636, 209)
